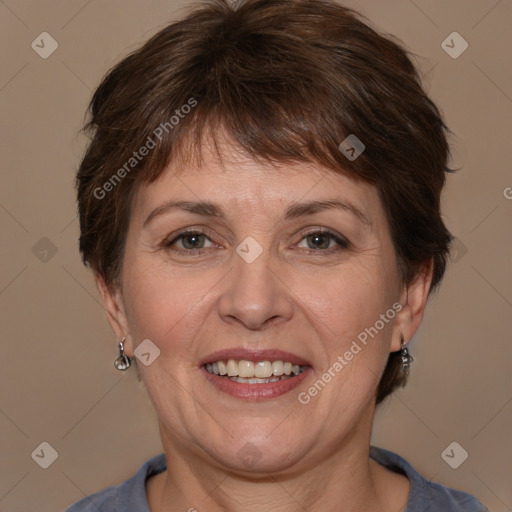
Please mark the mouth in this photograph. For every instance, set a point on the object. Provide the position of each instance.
(255, 374)
(259, 372)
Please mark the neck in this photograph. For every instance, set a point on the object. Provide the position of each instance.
(342, 478)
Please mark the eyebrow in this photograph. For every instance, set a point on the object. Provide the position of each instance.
(294, 211)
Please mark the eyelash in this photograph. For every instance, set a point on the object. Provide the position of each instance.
(342, 242)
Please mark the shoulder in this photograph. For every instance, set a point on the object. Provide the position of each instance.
(424, 495)
(103, 500)
(129, 495)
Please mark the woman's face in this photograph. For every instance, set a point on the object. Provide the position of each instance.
(295, 259)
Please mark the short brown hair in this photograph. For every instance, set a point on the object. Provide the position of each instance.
(288, 81)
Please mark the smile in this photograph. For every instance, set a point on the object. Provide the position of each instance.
(260, 372)
(245, 379)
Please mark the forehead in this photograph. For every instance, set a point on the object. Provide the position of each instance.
(227, 175)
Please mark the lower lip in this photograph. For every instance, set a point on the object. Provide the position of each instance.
(255, 391)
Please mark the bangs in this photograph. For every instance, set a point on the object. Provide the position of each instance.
(273, 109)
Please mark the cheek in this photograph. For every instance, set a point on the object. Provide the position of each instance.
(162, 305)
(169, 308)
(352, 315)
(344, 303)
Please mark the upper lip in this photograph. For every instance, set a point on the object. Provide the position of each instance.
(254, 355)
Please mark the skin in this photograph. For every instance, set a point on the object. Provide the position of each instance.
(296, 297)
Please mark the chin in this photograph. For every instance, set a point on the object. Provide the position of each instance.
(253, 452)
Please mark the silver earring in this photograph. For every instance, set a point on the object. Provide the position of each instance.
(407, 359)
(123, 362)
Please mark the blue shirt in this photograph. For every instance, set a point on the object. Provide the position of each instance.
(424, 496)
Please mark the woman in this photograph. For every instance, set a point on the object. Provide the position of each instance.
(260, 205)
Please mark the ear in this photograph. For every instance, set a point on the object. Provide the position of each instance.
(114, 305)
(413, 299)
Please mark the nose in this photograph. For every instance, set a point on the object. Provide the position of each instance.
(255, 296)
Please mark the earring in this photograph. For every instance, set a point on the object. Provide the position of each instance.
(123, 362)
(407, 359)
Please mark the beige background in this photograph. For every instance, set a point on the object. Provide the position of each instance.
(58, 382)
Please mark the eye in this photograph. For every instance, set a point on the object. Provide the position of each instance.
(322, 240)
(194, 242)
(189, 241)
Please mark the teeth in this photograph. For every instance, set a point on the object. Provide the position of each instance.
(222, 368)
(232, 368)
(241, 380)
(278, 368)
(247, 371)
(263, 369)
